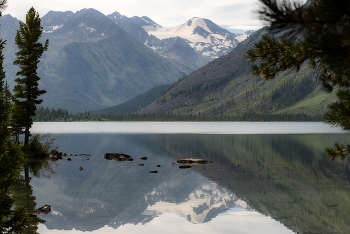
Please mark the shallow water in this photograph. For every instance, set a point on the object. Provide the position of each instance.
(283, 184)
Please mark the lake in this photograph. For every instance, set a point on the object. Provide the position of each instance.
(264, 178)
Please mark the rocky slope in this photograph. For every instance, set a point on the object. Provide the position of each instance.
(192, 44)
(91, 62)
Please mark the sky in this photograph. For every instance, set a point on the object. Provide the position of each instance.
(236, 15)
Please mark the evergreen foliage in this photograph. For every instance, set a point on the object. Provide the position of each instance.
(4, 110)
(11, 159)
(27, 90)
(317, 33)
(60, 115)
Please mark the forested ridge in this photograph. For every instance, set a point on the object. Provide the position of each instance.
(61, 115)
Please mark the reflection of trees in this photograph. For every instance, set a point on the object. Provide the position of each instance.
(286, 177)
(23, 192)
(11, 220)
(16, 192)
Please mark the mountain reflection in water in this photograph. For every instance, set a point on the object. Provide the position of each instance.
(284, 185)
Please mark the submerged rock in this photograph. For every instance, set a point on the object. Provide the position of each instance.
(117, 157)
(185, 166)
(144, 158)
(153, 172)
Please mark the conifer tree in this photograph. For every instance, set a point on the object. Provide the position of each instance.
(318, 33)
(3, 109)
(11, 220)
(26, 92)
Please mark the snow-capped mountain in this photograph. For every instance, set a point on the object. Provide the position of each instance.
(203, 35)
(193, 43)
(199, 201)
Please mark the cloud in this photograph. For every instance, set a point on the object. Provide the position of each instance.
(240, 222)
(168, 13)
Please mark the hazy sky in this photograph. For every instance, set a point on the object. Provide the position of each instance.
(235, 14)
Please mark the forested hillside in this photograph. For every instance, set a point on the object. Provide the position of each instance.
(226, 87)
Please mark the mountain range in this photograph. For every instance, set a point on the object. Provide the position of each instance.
(96, 61)
(191, 44)
(226, 86)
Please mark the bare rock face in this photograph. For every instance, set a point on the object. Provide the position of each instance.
(118, 157)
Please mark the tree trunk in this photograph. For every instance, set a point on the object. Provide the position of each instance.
(26, 136)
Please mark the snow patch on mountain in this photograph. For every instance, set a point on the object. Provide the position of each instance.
(52, 28)
(242, 37)
(204, 36)
(199, 203)
(185, 31)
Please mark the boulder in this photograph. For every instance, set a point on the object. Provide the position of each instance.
(42, 210)
(55, 154)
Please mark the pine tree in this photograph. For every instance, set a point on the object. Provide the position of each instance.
(3, 108)
(26, 92)
(318, 33)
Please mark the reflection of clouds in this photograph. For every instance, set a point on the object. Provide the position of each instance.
(236, 220)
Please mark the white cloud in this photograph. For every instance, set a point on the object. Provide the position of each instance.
(237, 221)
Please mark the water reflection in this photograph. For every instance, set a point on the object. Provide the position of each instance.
(284, 184)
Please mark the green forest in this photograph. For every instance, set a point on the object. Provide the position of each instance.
(61, 115)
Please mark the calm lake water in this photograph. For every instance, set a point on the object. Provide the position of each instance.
(283, 184)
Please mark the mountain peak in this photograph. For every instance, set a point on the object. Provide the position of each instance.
(54, 20)
(116, 15)
(89, 11)
(249, 32)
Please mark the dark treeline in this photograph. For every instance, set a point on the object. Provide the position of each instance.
(61, 115)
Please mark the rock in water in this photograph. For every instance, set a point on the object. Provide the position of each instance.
(193, 161)
(42, 210)
(117, 157)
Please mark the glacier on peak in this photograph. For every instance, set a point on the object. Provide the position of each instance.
(201, 33)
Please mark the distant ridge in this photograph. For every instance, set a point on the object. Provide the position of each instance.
(91, 63)
(226, 86)
(191, 44)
